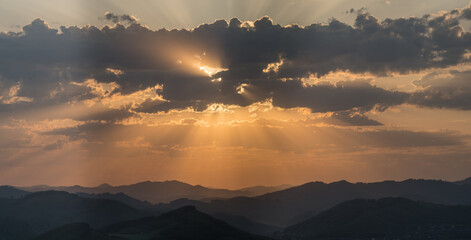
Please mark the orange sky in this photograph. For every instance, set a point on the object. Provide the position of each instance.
(189, 109)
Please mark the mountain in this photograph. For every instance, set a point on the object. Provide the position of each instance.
(182, 223)
(386, 218)
(464, 181)
(120, 197)
(153, 192)
(43, 211)
(247, 225)
(260, 190)
(74, 231)
(301, 202)
(11, 192)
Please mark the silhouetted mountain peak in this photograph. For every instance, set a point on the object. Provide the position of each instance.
(175, 181)
(104, 185)
(184, 209)
(341, 183)
(184, 212)
(464, 181)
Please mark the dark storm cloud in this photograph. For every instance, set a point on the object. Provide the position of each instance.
(42, 58)
(444, 91)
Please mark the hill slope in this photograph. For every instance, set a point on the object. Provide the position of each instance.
(388, 217)
(120, 197)
(282, 207)
(74, 231)
(182, 223)
(247, 225)
(260, 190)
(12, 192)
(464, 181)
(43, 211)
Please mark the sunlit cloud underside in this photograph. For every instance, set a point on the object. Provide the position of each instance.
(234, 103)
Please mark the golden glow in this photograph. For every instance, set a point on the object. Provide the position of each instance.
(13, 97)
(134, 99)
(211, 70)
(116, 72)
(241, 88)
(99, 89)
(273, 67)
(232, 145)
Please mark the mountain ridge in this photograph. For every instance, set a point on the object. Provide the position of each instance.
(385, 218)
(279, 208)
(153, 192)
(42, 211)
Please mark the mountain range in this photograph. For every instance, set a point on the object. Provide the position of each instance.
(12, 192)
(24, 214)
(360, 219)
(286, 207)
(159, 192)
(38, 212)
(390, 218)
(180, 224)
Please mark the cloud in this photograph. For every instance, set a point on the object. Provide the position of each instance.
(346, 118)
(115, 18)
(12, 97)
(303, 137)
(466, 12)
(256, 61)
(341, 96)
(357, 11)
(444, 91)
(54, 146)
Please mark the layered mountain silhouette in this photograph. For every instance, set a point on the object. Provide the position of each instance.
(12, 192)
(25, 216)
(295, 204)
(260, 190)
(153, 192)
(180, 224)
(120, 197)
(390, 218)
(464, 181)
(387, 218)
(36, 213)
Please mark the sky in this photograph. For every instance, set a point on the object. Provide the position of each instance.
(229, 94)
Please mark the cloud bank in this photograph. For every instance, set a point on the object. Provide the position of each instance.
(235, 62)
(233, 90)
